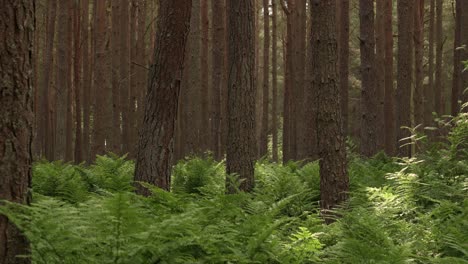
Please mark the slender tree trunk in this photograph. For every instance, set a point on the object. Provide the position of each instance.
(61, 79)
(77, 16)
(389, 94)
(380, 73)
(241, 92)
(405, 67)
(263, 151)
(132, 99)
(457, 63)
(103, 95)
(334, 182)
(125, 74)
(218, 74)
(429, 95)
(287, 151)
(141, 60)
(115, 49)
(274, 84)
(155, 149)
(343, 43)
(418, 96)
(369, 95)
(464, 52)
(48, 99)
(86, 80)
(70, 90)
(205, 138)
(438, 63)
(16, 119)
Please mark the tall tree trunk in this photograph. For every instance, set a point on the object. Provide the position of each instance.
(334, 182)
(380, 73)
(132, 99)
(125, 74)
(103, 95)
(48, 99)
(86, 80)
(141, 60)
(218, 74)
(369, 99)
(438, 60)
(70, 101)
(274, 81)
(77, 16)
(241, 92)
(61, 79)
(389, 94)
(405, 66)
(464, 52)
(116, 136)
(263, 151)
(205, 95)
(16, 119)
(343, 44)
(429, 95)
(418, 96)
(288, 80)
(155, 145)
(457, 63)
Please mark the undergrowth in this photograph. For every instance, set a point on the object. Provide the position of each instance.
(400, 211)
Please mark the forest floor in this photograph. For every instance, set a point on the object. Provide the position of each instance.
(400, 211)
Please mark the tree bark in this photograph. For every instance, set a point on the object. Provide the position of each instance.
(241, 93)
(457, 63)
(380, 73)
(48, 99)
(125, 75)
(103, 86)
(86, 80)
(16, 119)
(62, 63)
(334, 182)
(405, 66)
(77, 66)
(218, 90)
(70, 102)
(369, 94)
(389, 94)
(464, 52)
(438, 60)
(429, 95)
(155, 146)
(274, 81)
(116, 136)
(205, 95)
(263, 151)
(418, 96)
(343, 44)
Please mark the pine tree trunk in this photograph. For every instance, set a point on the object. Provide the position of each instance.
(205, 95)
(103, 85)
(62, 63)
(343, 44)
(141, 60)
(429, 95)
(133, 94)
(155, 147)
(418, 96)
(218, 75)
(86, 80)
(115, 137)
(70, 102)
(16, 119)
(263, 151)
(389, 94)
(77, 66)
(438, 60)
(405, 67)
(241, 93)
(334, 182)
(48, 99)
(274, 84)
(125, 74)
(457, 63)
(288, 80)
(464, 53)
(380, 73)
(369, 97)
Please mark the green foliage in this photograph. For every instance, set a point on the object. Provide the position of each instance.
(400, 211)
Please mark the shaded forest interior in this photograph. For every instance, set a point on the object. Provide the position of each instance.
(224, 131)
